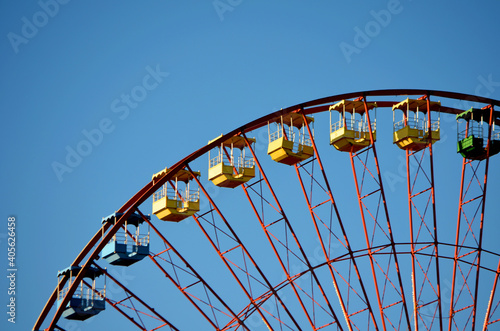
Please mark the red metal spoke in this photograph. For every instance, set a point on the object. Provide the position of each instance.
(114, 305)
(474, 220)
(366, 209)
(419, 220)
(197, 279)
(288, 231)
(422, 219)
(328, 227)
(489, 312)
(234, 237)
(130, 295)
(324, 189)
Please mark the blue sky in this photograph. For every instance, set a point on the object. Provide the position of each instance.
(158, 79)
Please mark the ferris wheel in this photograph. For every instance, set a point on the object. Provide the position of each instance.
(289, 248)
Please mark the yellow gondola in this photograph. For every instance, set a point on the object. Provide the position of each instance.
(413, 131)
(351, 133)
(291, 142)
(231, 167)
(172, 203)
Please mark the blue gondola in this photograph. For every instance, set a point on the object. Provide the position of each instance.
(87, 301)
(126, 248)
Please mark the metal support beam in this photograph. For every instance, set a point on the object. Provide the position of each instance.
(227, 262)
(472, 201)
(288, 231)
(364, 303)
(369, 187)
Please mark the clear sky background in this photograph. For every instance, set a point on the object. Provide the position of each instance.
(68, 66)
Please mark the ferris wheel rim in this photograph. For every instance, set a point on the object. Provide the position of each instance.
(319, 105)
